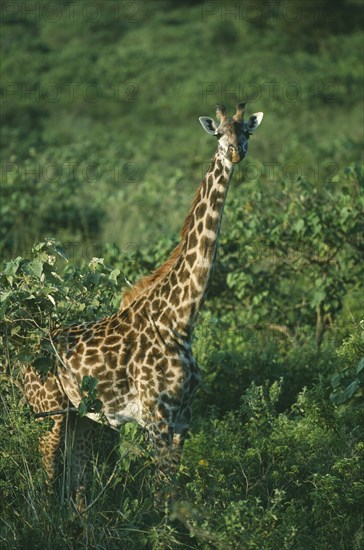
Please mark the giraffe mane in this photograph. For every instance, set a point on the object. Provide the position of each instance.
(148, 281)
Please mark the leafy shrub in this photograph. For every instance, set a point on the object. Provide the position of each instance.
(284, 249)
(348, 383)
(233, 359)
(35, 298)
(266, 479)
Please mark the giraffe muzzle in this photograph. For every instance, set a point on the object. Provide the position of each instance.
(235, 154)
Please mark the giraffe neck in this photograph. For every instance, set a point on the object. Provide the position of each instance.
(179, 295)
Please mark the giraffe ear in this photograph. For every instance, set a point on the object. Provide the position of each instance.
(254, 121)
(209, 125)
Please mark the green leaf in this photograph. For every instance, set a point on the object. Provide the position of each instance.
(5, 295)
(24, 357)
(60, 251)
(96, 406)
(82, 408)
(317, 298)
(12, 267)
(351, 389)
(335, 380)
(89, 383)
(345, 395)
(299, 225)
(36, 268)
(42, 364)
(360, 367)
(38, 246)
(114, 275)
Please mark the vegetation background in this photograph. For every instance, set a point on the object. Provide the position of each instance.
(101, 154)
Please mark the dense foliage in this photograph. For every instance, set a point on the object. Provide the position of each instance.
(101, 156)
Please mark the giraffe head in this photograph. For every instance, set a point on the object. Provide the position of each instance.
(232, 132)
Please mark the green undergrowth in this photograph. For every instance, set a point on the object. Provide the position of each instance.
(102, 152)
(250, 478)
(275, 457)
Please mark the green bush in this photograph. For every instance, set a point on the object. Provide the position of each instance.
(270, 462)
(294, 248)
(266, 479)
(102, 151)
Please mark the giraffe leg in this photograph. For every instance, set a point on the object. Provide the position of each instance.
(161, 437)
(81, 436)
(182, 420)
(177, 448)
(44, 394)
(168, 433)
(168, 446)
(50, 445)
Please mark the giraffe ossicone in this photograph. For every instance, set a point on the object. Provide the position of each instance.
(141, 355)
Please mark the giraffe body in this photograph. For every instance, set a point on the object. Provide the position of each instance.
(141, 355)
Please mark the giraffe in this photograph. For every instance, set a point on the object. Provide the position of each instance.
(141, 355)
